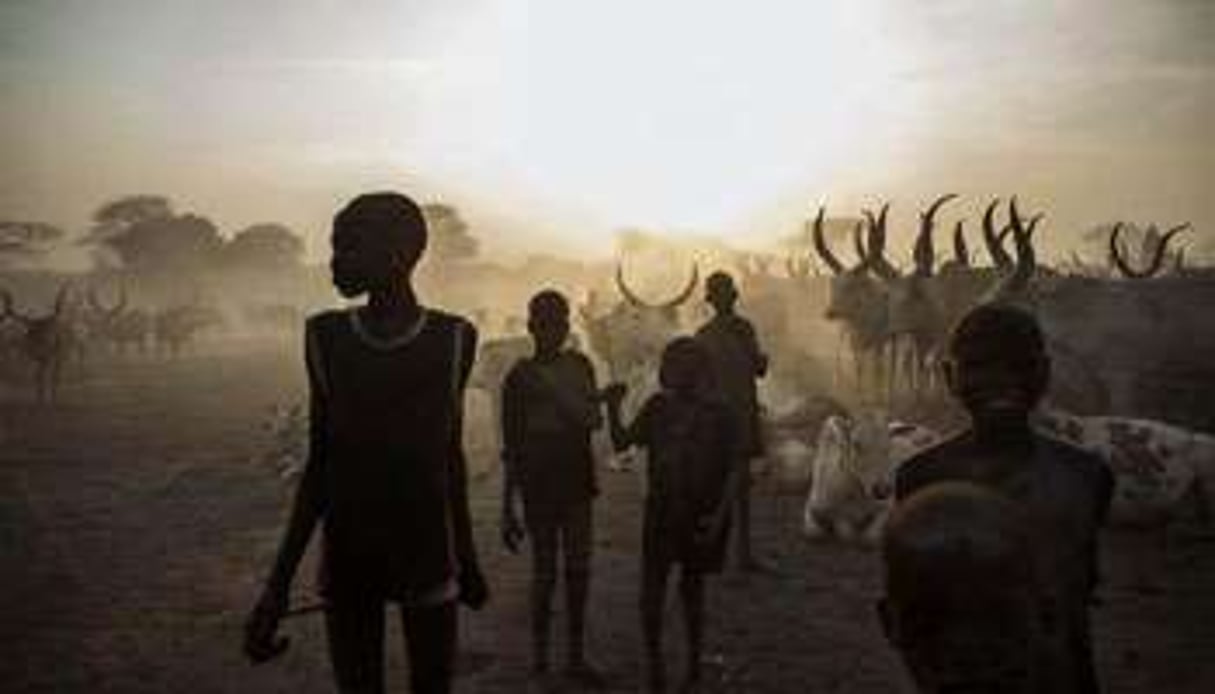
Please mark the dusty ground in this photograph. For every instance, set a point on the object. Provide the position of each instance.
(135, 526)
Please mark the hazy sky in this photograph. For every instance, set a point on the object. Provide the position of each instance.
(551, 122)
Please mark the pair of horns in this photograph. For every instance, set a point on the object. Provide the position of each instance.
(675, 302)
(1158, 254)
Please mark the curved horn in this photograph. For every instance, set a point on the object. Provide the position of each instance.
(686, 294)
(961, 253)
(628, 295)
(1033, 224)
(820, 244)
(1158, 254)
(999, 256)
(1024, 269)
(875, 259)
(1116, 254)
(925, 254)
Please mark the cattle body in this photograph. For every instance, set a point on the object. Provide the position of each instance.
(1130, 348)
(629, 338)
(1158, 468)
(858, 303)
(852, 473)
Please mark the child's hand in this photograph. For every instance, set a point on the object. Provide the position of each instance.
(262, 642)
(613, 393)
(473, 590)
(512, 531)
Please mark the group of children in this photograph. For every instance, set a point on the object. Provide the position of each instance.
(386, 479)
(550, 408)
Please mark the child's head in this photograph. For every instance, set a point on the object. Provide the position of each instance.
(964, 602)
(377, 240)
(720, 291)
(684, 365)
(548, 320)
(998, 367)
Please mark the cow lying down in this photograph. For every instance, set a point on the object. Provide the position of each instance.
(852, 473)
(1157, 467)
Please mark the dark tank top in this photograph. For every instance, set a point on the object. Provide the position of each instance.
(388, 430)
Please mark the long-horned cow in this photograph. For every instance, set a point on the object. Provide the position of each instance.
(1140, 341)
(917, 322)
(858, 303)
(630, 337)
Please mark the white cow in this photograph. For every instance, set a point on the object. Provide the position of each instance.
(853, 473)
(1157, 467)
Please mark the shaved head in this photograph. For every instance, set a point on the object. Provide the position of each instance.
(964, 602)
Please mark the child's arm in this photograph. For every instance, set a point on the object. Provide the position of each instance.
(714, 522)
(512, 437)
(261, 642)
(759, 360)
(309, 502)
(623, 436)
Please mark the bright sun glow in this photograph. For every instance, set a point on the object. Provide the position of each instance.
(685, 116)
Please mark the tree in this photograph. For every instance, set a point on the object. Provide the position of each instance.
(23, 243)
(449, 235)
(167, 245)
(143, 234)
(264, 247)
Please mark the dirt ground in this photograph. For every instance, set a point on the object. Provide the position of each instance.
(136, 524)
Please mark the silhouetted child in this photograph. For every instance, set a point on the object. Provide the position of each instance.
(965, 599)
(692, 472)
(999, 369)
(736, 361)
(385, 474)
(550, 408)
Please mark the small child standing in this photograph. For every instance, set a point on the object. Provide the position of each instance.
(692, 474)
(550, 407)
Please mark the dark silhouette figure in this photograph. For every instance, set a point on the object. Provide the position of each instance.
(999, 369)
(550, 407)
(693, 473)
(966, 601)
(736, 361)
(385, 474)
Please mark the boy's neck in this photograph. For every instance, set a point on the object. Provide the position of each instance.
(546, 355)
(397, 303)
(1014, 432)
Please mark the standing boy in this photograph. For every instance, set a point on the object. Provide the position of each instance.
(999, 370)
(736, 361)
(693, 471)
(385, 474)
(549, 411)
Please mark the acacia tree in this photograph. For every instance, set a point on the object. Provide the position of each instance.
(264, 247)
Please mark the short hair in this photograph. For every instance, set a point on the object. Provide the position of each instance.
(393, 217)
(1014, 329)
(719, 280)
(549, 303)
(682, 352)
(952, 535)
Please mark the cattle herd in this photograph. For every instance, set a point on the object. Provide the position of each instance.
(855, 342)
